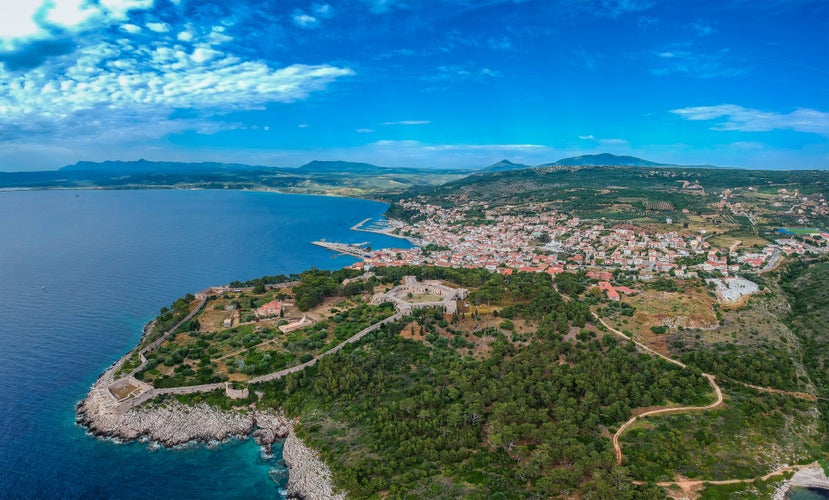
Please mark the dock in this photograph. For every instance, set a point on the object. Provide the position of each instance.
(358, 250)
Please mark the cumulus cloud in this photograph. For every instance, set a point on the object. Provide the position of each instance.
(738, 118)
(138, 83)
(24, 21)
(158, 27)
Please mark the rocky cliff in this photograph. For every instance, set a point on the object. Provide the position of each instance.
(308, 476)
(173, 423)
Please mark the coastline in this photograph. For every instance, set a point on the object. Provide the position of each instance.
(173, 424)
(810, 477)
(394, 225)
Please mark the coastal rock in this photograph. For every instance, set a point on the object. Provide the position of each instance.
(170, 424)
(308, 476)
(270, 426)
(173, 423)
(810, 477)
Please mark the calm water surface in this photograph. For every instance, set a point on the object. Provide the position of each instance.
(80, 274)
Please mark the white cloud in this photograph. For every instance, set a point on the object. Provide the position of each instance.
(304, 20)
(18, 19)
(204, 54)
(118, 9)
(408, 122)
(122, 85)
(185, 36)
(587, 137)
(25, 20)
(70, 13)
(364, 130)
(719, 64)
(303, 125)
(131, 28)
(738, 118)
(158, 27)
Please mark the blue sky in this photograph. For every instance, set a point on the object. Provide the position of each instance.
(422, 83)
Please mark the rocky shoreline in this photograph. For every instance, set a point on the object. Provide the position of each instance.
(173, 424)
(810, 477)
(308, 476)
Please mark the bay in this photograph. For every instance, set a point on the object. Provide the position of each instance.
(82, 271)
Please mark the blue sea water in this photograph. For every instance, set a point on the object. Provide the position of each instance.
(82, 271)
(807, 494)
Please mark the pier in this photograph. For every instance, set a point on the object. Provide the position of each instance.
(358, 250)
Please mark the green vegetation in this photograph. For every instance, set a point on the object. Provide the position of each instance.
(314, 285)
(339, 178)
(644, 194)
(168, 318)
(765, 365)
(421, 419)
(806, 285)
(751, 435)
(753, 489)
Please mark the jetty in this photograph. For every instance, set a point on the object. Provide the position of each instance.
(359, 250)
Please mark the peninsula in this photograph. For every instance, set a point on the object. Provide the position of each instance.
(524, 347)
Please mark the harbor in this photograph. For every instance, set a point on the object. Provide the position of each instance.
(359, 250)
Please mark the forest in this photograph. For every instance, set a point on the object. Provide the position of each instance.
(420, 419)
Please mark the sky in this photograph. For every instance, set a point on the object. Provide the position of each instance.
(415, 83)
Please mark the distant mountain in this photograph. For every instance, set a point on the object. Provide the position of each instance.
(503, 166)
(611, 160)
(605, 160)
(349, 167)
(156, 167)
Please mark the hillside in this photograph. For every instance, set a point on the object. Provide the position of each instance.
(318, 177)
(641, 193)
(348, 167)
(603, 159)
(504, 165)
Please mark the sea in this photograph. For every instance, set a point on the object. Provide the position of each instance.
(81, 272)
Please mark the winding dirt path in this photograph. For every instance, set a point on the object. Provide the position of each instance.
(664, 411)
(668, 410)
(689, 486)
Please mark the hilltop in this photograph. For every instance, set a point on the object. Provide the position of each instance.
(604, 159)
(503, 166)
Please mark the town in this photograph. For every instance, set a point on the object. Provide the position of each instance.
(538, 238)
